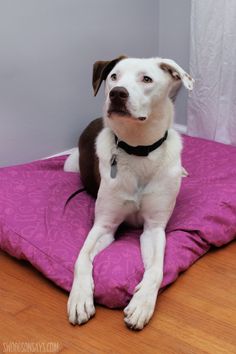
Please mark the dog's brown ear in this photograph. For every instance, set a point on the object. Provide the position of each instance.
(176, 72)
(101, 69)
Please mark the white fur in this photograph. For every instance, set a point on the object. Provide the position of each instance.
(72, 162)
(144, 190)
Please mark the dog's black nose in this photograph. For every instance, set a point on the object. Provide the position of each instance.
(119, 93)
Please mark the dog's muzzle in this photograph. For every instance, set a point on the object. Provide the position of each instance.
(118, 103)
(118, 99)
(119, 94)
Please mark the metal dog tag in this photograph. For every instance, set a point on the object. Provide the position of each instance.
(113, 166)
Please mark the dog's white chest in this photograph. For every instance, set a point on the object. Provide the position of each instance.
(139, 182)
(134, 198)
(133, 180)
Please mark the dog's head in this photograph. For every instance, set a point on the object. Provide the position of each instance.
(134, 87)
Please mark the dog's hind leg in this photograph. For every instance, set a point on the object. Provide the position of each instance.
(72, 162)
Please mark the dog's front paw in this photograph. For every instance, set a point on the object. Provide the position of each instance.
(80, 306)
(140, 309)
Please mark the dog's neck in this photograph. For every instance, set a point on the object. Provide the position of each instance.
(135, 133)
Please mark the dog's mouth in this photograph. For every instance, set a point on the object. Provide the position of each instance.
(124, 113)
(119, 112)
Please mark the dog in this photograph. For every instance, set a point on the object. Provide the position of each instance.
(131, 162)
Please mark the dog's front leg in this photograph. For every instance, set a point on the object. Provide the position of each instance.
(80, 304)
(142, 305)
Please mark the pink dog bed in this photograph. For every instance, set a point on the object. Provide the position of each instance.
(34, 227)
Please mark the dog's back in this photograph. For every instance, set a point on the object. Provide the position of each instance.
(88, 160)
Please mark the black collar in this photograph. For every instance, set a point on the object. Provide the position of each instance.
(140, 150)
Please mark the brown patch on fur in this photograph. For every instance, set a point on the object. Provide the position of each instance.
(101, 69)
(170, 70)
(88, 160)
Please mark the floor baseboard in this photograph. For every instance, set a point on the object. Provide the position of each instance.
(181, 128)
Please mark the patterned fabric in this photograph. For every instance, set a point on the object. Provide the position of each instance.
(34, 225)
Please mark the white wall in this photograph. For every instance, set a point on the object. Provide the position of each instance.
(47, 49)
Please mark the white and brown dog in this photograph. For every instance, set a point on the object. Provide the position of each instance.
(130, 160)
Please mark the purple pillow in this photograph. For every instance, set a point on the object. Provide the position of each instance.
(34, 226)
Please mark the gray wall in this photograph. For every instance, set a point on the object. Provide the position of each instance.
(174, 43)
(47, 51)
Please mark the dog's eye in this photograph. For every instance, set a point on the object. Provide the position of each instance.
(113, 77)
(147, 79)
